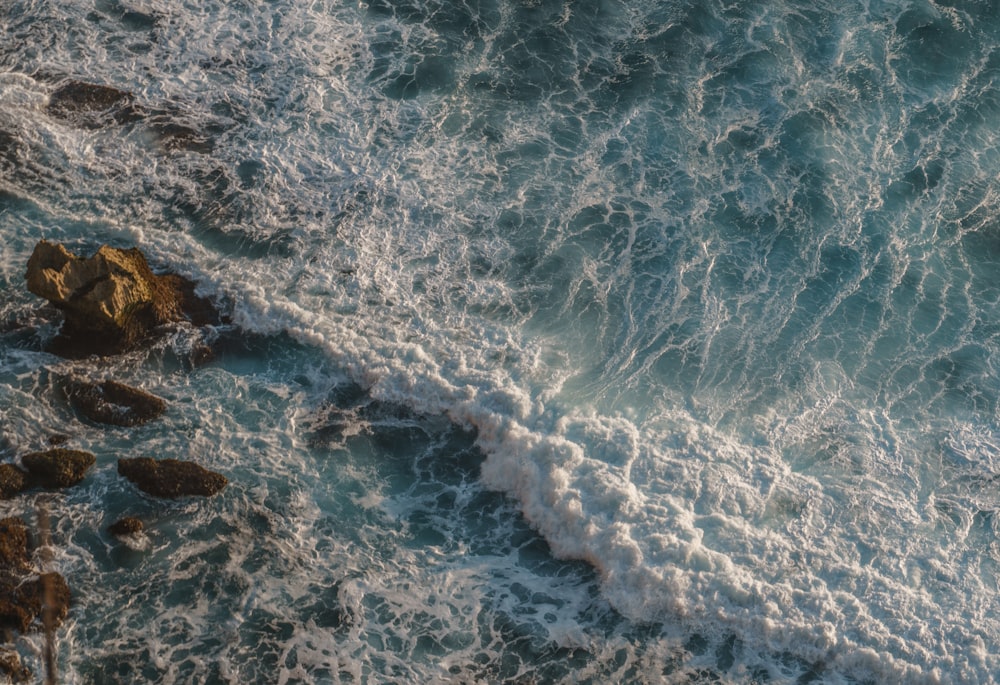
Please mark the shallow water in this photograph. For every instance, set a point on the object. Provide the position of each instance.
(607, 342)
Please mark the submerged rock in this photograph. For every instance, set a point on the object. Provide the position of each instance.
(12, 480)
(92, 105)
(112, 300)
(173, 136)
(126, 526)
(114, 403)
(58, 467)
(171, 477)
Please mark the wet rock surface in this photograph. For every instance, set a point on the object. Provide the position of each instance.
(92, 105)
(126, 526)
(58, 467)
(113, 403)
(12, 481)
(171, 478)
(11, 667)
(25, 597)
(13, 546)
(112, 300)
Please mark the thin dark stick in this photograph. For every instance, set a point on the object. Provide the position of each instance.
(49, 609)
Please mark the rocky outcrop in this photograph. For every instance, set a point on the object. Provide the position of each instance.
(57, 468)
(113, 403)
(12, 481)
(111, 300)
(125, 526)
(171, 477)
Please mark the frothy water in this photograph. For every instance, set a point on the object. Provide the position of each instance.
(607, 342)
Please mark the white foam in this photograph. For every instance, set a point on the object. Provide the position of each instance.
(813, 523)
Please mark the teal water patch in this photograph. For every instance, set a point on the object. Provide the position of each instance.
(707, 290)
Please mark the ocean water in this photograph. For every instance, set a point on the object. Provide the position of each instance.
(570, 342)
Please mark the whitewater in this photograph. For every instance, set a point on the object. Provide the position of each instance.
(599, 341)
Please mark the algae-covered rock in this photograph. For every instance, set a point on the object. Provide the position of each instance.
(171, 477)
(12, 668)
(25, 597)
(13, 545)
(58, 467)
(128, 525)
(113, 403)
(12, 480)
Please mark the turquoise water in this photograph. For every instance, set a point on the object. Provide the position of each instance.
(572, 342)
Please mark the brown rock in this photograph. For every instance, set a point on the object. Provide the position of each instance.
(57, 467)
(112, 300)
(10, 665)
(24, 598)
(13, 615)
(53, 592)
(126, 526)
(171, 477)
(12, 481)
(13, 545)
(114, 403)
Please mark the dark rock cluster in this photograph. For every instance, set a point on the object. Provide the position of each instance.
(29, 599)
(113, 403)
(112, 302)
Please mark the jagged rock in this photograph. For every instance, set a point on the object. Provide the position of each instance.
(12, 481)
(13, 545)
(171, 477)
(58, 467)
(10, 665)
(112, 300)
(114, 403)
(126, 526)
(91, 105)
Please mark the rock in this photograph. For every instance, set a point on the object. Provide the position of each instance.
(45, 596)
(174, 136)
(49, 595)
(126, 526)
(13, 615)
(10, 665)
(171, 477)
(13, 546)
(112, 300)
(12, 481)
(114, 403)
(91, 105)
(58, 467)
(24, 598)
